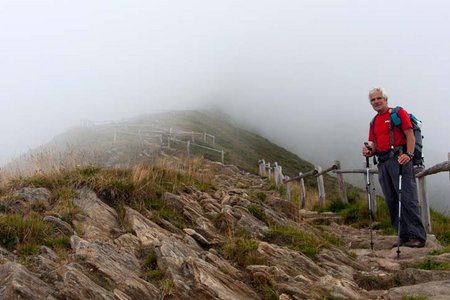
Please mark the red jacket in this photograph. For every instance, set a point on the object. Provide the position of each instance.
(381, 137)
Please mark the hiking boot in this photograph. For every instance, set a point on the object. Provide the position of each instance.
(414, 243)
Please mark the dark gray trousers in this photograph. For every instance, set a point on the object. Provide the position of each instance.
(411, 222)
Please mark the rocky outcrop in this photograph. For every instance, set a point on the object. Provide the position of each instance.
(98, 221)
(142, 257)
(17, 282)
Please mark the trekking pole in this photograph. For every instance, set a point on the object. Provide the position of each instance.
(368, 195)
(400, 176)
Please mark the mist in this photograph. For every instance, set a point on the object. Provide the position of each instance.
(298, 72)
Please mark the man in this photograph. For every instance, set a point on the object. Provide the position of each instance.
(394, 147)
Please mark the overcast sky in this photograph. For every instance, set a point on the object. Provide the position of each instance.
(296, 71)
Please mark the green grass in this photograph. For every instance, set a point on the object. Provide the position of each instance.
(260, 196)
(26, 233)
(441, 227)
(414, 298)
(445, 249)
(269, 291)
(141, 187)
(356, 212)
(243, 251)
(297, 239)
(257, 212)
(433, 265)
(151, 269)
(16, 229)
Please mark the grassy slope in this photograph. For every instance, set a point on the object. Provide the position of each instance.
(242, 147)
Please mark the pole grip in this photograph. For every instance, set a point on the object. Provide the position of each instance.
(367, 158)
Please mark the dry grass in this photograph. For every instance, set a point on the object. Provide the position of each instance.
(140, 187)
(311, 196)
(47, 162)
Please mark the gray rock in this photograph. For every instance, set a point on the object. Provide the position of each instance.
(114, 267)
(64, 227)
(76, 285)
(198, 237)
(33, 194)
(148, 232)
(17, 282)
(100, 221)
(7, 255)
(435, 290)
(194, 277)
(129, 243)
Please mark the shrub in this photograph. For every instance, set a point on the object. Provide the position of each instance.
(257, 212)
(433, 265)
(151, 268)
(243, 251)
(296, 239)
(58, 242)
(15, 229)
(269, 291)
(441, 227)
(414, 298)
(28, 248)
(261, 196)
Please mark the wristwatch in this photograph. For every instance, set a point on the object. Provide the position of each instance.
(410, 154)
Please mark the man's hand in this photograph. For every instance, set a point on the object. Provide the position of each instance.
(367, 150)
(403, 159)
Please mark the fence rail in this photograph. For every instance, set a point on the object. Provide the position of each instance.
(148, 135)
(266, 170)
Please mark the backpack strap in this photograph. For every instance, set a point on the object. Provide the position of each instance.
(392, 123)
(391, 126)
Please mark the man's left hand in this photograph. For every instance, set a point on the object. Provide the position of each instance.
(404, 159)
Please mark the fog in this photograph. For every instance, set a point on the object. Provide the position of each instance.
(298, 72)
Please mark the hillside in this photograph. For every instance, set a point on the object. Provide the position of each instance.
(119, 144)
(183, 229)
(131, 218)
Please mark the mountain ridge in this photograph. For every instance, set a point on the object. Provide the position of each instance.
(172, 226)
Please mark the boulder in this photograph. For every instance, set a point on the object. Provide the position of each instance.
(16, 282)
(99, 221)
(113, 267)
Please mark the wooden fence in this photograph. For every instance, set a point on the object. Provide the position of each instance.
(148, 135)
(275, 171)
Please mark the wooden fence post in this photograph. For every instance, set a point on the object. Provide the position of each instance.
(276, 175)
(188, 148)
(302, 187)
(280, 177)
(262, 166)
(423, 201)
(288, 189)
(320, 186)
(341, 183)
(223, 157)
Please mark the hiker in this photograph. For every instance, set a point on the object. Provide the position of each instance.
(394, 148)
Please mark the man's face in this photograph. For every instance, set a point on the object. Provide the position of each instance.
(378, 103)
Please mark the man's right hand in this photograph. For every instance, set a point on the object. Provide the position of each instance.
(367, 150)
